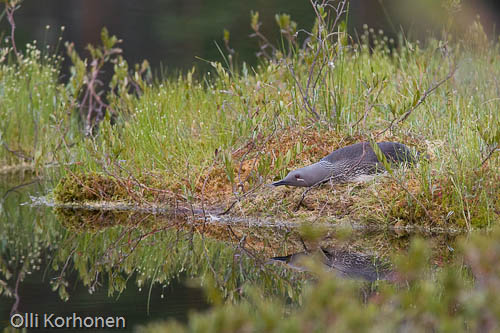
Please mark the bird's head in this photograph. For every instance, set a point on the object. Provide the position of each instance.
(304, 177)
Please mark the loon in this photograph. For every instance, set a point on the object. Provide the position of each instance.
(348, 164)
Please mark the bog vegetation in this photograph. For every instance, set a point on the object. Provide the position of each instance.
(209, 142)
(214, 139)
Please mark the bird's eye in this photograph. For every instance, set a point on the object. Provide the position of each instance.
(297, 176)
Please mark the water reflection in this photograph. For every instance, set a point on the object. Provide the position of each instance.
(159, 249)
(96, 260)
(342, 262)
(43, 268)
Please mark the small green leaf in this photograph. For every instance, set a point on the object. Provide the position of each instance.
(381, 157)
(254, 20)
(226, 36)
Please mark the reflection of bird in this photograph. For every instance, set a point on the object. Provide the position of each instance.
(351, 163)
(345, 263)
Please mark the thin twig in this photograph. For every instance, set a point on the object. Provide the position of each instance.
(17, 153)
(422, 98)
(15, 306)
(369, 106)
(9, 10)
(19, 186)
(496, 148)
(204, 185)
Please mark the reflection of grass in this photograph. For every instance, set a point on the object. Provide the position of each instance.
(422, 301)
(91, 220)
(267, 241)
(156, 252)
(27, 235)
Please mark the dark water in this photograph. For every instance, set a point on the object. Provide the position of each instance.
(31, 240)
(137, 307)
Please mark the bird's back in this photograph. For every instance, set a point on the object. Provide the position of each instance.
(354, 161)
(363, 153)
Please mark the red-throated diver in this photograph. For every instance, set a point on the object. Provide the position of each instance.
(348, 164)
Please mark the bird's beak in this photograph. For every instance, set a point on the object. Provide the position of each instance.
(279, 183)
(283, 259)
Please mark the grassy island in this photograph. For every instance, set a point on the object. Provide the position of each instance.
(212, 140)
(203, 146)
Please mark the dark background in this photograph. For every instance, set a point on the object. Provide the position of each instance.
(175, 32)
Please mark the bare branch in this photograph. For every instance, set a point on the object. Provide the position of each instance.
(10, 8)
(17, 153)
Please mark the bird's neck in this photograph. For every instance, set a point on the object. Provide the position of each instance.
(319, 172)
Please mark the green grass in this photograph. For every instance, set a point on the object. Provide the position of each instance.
(35, 114)
(212, 137)
(184, 127)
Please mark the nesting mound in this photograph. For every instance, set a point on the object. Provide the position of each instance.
(235, 178)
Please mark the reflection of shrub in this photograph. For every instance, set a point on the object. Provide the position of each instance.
(449, 299)
(84, 220)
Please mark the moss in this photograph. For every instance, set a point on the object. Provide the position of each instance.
(82, 187)
(82, 220)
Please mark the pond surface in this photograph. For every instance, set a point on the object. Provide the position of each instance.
(30, 240)
(145, 267)
(137, 307)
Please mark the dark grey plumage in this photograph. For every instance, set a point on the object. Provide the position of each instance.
(348, 164)
(344, 263)
(357, 265)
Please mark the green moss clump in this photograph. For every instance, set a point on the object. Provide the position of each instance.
(92, 186)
